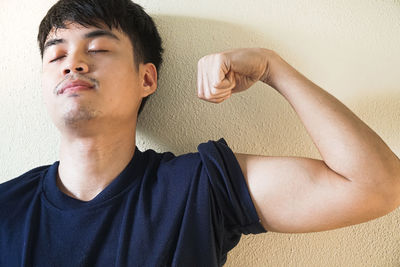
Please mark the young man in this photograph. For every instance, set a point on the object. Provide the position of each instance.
(106, 203)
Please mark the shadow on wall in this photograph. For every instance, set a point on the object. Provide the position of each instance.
(256, 121)
(176, 120)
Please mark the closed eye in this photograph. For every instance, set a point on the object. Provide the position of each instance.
(58, 58)
(97, 51)
(90, 51)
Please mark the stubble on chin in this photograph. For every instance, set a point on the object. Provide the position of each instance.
(75, 118)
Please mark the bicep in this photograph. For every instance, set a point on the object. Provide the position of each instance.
(299, 195)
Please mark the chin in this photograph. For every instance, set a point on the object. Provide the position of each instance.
(75, 118)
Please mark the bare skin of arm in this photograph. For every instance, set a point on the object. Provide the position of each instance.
(359, 177)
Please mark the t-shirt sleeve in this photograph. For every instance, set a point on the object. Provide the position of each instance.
(229, 188)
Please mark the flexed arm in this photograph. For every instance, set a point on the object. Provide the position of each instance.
(359, 176)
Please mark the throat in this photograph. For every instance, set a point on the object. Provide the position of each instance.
(79, 191)
(88, 166)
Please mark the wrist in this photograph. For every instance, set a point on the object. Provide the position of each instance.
(277, 71)
(270, 57)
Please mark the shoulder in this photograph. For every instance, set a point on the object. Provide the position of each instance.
(167, 164)
(21, 185)
(210, 157)
(216, 151)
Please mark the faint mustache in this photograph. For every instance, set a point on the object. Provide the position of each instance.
(73, 77)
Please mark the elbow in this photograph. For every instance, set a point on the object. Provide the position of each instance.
(387, 188)
(382, 181)
(395, 180)
(391, 192)
(395, 196)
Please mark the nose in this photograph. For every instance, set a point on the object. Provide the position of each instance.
(75, 64)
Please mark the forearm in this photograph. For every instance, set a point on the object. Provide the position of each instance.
(347, 145)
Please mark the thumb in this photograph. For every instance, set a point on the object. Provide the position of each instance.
(228, 81)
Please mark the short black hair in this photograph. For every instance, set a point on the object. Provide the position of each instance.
(121, 14)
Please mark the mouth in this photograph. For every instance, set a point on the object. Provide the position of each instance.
(75, 86)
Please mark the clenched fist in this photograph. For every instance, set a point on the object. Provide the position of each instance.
(220, 75)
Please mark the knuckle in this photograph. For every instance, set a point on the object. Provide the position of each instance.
(222, 57)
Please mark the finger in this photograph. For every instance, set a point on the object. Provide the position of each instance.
(210, 91)
(222, 95)
(220, 99)
(217, 92)
(206, 93)
(228, 83)
(200, 88)
(221, 69)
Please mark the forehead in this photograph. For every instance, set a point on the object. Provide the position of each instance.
(76, 30)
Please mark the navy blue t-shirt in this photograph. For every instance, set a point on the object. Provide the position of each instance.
(161, 210)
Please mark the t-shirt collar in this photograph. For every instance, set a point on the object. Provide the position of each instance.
(129, 176)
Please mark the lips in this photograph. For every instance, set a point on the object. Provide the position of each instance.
(75, 86)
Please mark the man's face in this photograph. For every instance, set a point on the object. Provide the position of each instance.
(89, 78)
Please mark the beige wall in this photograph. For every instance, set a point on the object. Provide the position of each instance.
(350, 48)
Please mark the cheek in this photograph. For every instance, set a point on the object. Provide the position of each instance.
(122, 78)
(48, 83)
(123, 95)
(46, 88)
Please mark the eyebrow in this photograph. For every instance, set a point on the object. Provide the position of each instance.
(89, 35)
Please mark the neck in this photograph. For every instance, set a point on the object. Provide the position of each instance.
(89, 164)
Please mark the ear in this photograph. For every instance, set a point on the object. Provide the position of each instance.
(148, 75)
